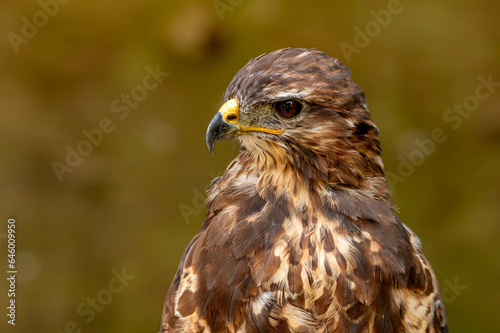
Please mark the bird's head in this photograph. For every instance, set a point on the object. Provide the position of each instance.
(299, 110)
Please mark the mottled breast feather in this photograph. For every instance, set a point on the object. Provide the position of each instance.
(300, 235)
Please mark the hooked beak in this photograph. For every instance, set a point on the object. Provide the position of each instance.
(225, 124)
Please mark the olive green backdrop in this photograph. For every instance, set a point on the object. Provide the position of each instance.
(131, 200)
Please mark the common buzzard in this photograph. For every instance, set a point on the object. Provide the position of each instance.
(300, 235)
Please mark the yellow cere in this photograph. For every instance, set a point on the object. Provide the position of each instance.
(231, 114)
(230, 111)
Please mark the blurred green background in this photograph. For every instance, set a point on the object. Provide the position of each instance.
(135, 201)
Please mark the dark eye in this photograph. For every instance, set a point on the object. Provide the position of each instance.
(288, 108)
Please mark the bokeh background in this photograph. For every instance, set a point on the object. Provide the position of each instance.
(135, 201)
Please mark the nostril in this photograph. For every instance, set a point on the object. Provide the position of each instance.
(232, 117)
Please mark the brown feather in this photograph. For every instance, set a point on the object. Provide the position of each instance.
(300, 235)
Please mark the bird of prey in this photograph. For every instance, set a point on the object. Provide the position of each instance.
(300, 235)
